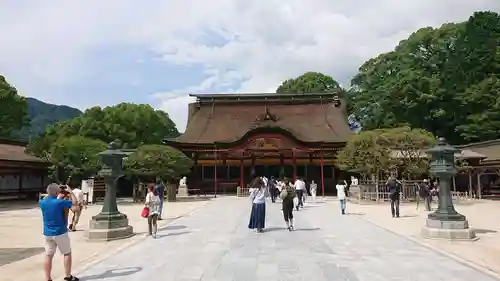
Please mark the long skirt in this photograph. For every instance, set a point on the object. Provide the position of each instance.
(257, 216)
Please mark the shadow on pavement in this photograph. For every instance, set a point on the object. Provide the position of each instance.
(17, 205)
(119, 272)
(408, 216)
(307, 229)
(10, 255)
(483, 231)
(173, 227)
(159, 236)
(354, 214)
(270, 229)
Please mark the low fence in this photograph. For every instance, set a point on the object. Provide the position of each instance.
(379, 192)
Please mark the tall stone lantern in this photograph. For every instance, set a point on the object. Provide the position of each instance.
(110, 224)
(445, 222)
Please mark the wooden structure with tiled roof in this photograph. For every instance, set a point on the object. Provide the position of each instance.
(487, 170)
(21, 174)
(232, 136)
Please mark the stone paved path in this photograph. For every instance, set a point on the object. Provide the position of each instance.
(215, 244)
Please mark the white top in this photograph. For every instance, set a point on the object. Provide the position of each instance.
(264, 179)
(280, 185)
(79, 195)
(300, 185)
(153, 203)
(313, 186)
(341, 191)
(258, 195)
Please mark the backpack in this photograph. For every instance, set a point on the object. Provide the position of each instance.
(287, 193)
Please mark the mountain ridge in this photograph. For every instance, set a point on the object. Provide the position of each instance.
(42, 114)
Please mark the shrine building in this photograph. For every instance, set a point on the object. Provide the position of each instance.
(232, 137)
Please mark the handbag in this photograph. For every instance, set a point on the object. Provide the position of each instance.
(145, 212)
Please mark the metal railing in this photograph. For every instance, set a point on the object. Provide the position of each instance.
(372, 191)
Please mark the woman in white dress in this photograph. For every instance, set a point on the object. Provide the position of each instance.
(313, 187)
(153, 203)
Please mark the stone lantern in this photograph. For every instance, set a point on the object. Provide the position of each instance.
(445, 222)
(110, 224)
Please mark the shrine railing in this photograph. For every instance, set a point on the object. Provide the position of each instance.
(371, 191)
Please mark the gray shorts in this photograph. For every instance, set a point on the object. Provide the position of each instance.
(61, 242)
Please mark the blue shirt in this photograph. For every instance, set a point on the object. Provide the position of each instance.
(160, 189)
(54, 220)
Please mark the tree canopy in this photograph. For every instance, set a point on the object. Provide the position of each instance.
(315, 82)
(439, 79)
(76, 156)
(72, 145)
(310, 82)
(132, 124)
(158, 160)
(14, 109)
(387, 150)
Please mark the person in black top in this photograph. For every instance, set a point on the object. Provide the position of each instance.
(426, 194)
(394, 187)
(273, 189)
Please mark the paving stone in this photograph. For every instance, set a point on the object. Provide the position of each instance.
(215, 244)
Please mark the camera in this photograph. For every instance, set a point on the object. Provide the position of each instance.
(62, 190)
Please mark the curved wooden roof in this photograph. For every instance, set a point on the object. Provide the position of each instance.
(223, 118)
(12, 150)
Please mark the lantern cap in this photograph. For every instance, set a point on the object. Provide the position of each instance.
(442, 147)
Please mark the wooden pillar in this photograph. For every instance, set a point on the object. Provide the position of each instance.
(294, 171)
(305, 173)
(242, 177)
(470, 183)
(478, 189)
(20, 182)
(282, 165)
(215, 173)
(322, 174)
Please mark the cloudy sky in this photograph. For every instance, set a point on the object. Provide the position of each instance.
(94, 52)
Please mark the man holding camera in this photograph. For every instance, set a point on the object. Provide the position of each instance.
(55, 227)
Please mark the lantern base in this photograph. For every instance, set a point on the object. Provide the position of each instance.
(108, 228)
(450, 230)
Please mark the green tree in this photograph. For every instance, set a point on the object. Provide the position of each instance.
(310, 82)
(132, 124)
(425, 81)
(366, 153)
(158, 161)
(13, 110)
(76, 156)
(408, 146)
(383, 151)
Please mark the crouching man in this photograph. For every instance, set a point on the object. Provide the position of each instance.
(55, 228)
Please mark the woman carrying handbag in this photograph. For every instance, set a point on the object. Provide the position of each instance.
(152, 210)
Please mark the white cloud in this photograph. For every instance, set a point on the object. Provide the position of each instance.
(267, 40)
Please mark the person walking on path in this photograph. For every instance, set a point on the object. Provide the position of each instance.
(287, 195)
(394, 187)
(258, 194)
(273, 189)
(160, 190)
(78, 208)
(153, 203)
(300, 187)
(314, 188)
(425, 193)
(341, 187)
(55, 230)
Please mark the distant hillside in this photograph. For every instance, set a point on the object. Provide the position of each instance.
(44, 114)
